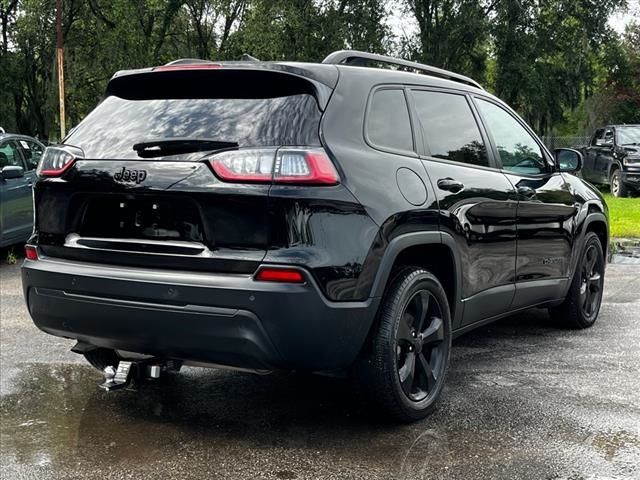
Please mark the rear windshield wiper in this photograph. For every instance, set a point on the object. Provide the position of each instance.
(172, 146)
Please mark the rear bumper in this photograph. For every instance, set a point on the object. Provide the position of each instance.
(227, 319)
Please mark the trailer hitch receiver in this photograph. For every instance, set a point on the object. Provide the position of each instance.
(129, 372)
(117, 379)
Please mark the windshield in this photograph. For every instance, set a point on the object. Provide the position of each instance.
(628, 135)
(117, 124)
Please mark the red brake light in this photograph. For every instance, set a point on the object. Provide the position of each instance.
(57, 160)
(30, 252)
(282, 275)
(297, 166)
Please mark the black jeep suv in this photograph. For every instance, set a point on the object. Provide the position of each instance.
(305, 216)
(613, 158)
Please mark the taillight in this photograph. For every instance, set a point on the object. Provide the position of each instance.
(30, 252)
(297, 166)
(304, 166)
(279, 274)
(251, 165)
(57, 160)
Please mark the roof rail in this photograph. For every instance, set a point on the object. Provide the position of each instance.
(355, 57)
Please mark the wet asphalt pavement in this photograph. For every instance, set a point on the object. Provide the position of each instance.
(523, 400)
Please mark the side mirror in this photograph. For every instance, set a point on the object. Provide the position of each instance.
(568, 160)
(604, 142)
(12, 171)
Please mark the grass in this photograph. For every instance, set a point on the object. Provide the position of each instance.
(624, 216)
(11, 257)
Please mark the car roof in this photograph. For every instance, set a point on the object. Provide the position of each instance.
(327, 71)
(318, 73)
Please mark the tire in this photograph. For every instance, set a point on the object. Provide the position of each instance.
(403, 367)
(102, 358)
(581, 307)
(618, 187)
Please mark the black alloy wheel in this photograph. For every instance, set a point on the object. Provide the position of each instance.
(421, 352)
(618, 188)
(591, 281)
(581, 306)
(403, 367)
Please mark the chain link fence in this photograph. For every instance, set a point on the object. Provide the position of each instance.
(565, 142)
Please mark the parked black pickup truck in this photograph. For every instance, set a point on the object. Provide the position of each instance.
(613, 158)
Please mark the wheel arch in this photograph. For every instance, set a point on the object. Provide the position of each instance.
(434, 251)
(595, 221)
(615, 165)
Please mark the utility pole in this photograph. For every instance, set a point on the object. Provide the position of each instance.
(60, 65)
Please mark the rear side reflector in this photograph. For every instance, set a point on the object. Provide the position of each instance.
(57, 160)
(282, 275)
(30, 252)
(295, 166)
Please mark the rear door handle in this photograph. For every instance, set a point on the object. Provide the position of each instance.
(450, 184)
(526, 192)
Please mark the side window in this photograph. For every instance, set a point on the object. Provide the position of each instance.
(449, 127)
(31, 152)
(608, 136)
(9, 155)
(519, 152)
(388, 124)
(597, 136)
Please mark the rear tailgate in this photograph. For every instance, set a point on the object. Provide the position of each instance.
(115, 205)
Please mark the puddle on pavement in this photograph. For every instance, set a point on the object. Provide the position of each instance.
(612, 444)
(625, 251)
(57, 417)
(56, 414)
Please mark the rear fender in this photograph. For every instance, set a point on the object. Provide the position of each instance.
(585, 220)
(402, 242)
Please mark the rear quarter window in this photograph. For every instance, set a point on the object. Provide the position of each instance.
(387, 124)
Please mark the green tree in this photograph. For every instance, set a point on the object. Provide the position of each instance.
(622, 83)
(546, 54)
(556, 61)
(307, 30)
(452, 34)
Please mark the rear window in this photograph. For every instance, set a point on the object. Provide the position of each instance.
(111, 130)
